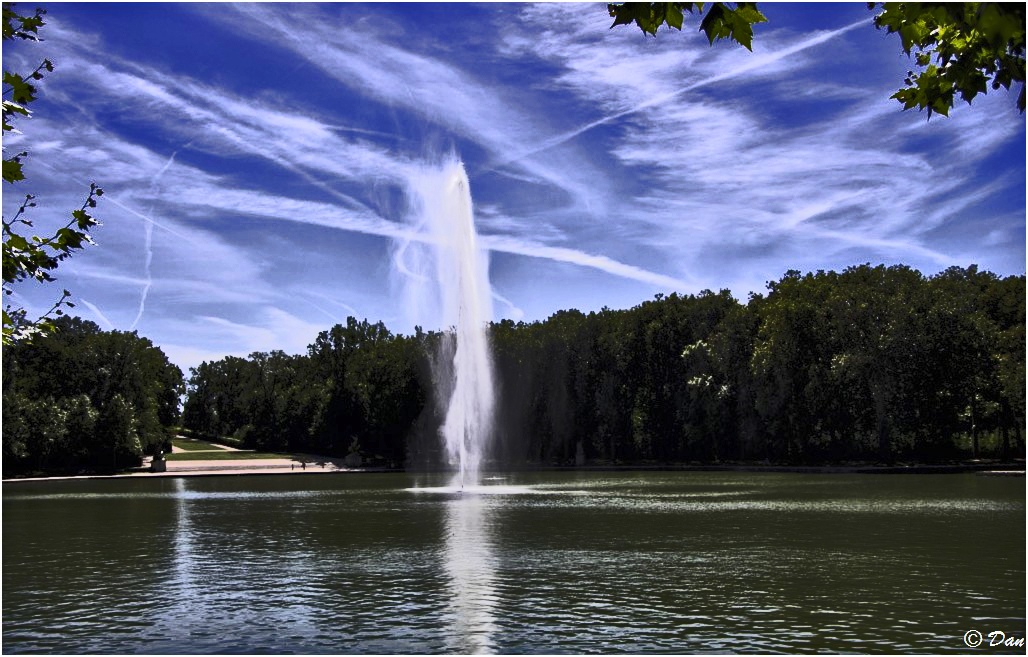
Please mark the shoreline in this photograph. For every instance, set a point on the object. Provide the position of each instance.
(324, 465)
(300, 464)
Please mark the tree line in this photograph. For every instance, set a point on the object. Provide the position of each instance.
(873, 364)
(85, 400)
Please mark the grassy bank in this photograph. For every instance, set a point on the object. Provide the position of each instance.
(209, 438)
(191, 445)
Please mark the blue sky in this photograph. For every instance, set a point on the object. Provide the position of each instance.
(255, 160)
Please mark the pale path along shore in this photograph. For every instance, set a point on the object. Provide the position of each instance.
(302, 464)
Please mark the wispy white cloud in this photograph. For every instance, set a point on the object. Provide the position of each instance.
(251, 127)
(724, 177)
(439, 91)
(353, 312)
(644, 74)
(276, 330)
(664, 163)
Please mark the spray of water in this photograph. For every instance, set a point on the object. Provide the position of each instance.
(447, 281)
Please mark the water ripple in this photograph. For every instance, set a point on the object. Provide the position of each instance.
(360, 565)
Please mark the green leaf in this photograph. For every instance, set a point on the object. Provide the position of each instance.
(21, 91)
(674, 17)
(621, 17)
(83, 219)
(971, 45)
(12, 170)
(713, 23)
(68, 239)
(16, 241)
(720, 22)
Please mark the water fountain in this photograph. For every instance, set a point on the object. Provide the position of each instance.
(446, 265)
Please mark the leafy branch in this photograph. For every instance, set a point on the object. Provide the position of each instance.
(960, 47)
(720, 21)
(33, 257)
(28, 26)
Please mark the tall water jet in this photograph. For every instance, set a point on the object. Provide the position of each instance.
(445, 267)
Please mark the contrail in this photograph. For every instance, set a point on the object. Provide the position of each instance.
(148, 247)
(350, 309)
(108, 198)
(339, 128)
(96, 311)
(325, 313)
(516, 313)
(562, 254)
(753, 64)
(386, 228)
(148, 243)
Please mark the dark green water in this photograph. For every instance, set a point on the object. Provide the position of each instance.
(572, 562)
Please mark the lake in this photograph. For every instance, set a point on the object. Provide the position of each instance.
(561, 562)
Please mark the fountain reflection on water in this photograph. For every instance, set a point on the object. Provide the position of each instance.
(469, 564)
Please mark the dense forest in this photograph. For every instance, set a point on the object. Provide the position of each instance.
(86, 400)
(873, 364)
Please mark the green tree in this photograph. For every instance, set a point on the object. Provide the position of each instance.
(80, 422)
(82, 399)
(117, 438)
(15, 433)
(32, 257)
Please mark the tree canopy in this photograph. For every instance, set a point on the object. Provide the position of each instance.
(872, 364)
(82, 399)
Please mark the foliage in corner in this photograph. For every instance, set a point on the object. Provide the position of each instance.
(720, 21)
(33, 257)
(959, 48)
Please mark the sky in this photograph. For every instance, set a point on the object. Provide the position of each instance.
(256, 160)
